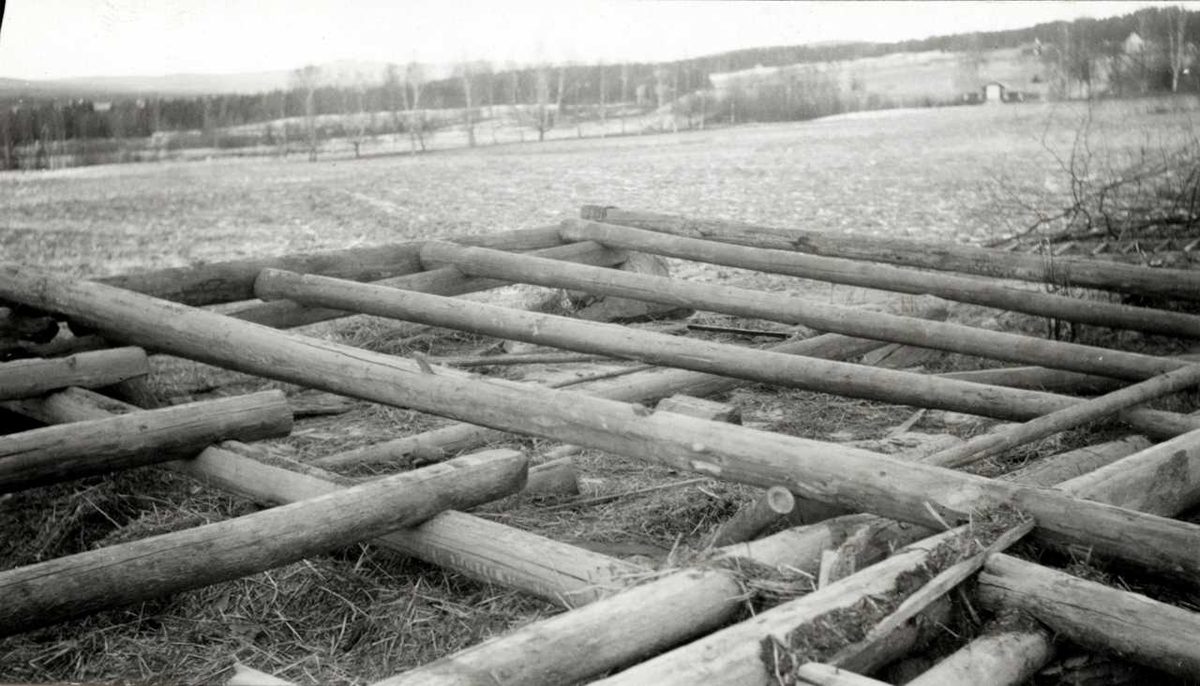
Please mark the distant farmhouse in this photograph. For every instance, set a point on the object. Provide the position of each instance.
(1033, 71)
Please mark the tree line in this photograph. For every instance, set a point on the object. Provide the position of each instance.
(538, 96)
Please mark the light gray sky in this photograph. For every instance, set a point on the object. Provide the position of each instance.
(43, 39)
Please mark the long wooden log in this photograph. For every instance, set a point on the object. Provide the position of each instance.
(219, 282)
(443, 281)
(1099, 274)
(642, 386)
(764, 366)
(855, 273)
(794, 310)
(533, 654)
(27, 378)
(734, 655)
(1001, 655)
(484, 550)
(820, 471)
(1094, 615)
(1040, 379)
(994, 443)
(47, 592)
(70, 451)
(742, 653)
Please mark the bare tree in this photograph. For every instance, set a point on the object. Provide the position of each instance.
(306, 80)
(414, 79)
(603, 100)
(1176, 19)
(464, 75)
(392, 87)
(543, 100)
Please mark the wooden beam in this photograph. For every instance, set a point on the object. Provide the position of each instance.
(820, 471)
(219, 282)
(444, 281)
(71, 451)
(1040, 379)
(764, 366)
(992, 444)
(1007, 653)
(794, 310)
(1095, 615)
(964, 289)
(48, 592)
(671, 605)
(28, 378)
(478, 548)
(734, 655)
(642, 386)
(942, 256)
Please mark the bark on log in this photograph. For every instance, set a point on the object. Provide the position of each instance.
(855, 273)
(478, 548)
(829, 473)
(28, 378)
(1094, 615)
(220, 282)
(991, 444)
(764, 366)
(71, 451)
(1104, 275)
(793, 310)
(48, 592)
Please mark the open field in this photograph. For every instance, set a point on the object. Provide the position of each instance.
(364, 614)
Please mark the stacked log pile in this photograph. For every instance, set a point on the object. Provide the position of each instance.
(887, 540)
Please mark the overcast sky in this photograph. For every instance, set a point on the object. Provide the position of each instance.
(42, 39)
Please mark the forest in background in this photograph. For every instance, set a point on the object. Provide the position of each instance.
(37, 131)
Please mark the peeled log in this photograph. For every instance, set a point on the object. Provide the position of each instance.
(794, 310)
(964, 289)
(994, 443)
(637, 387)
(943, 256)
(478, 548)
(998, 656)
(219, 282)
(1094, 615)
(48, 592)
(27, 378)
(70, 451)
(284, 314)
(816, 470)
(764, 366)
